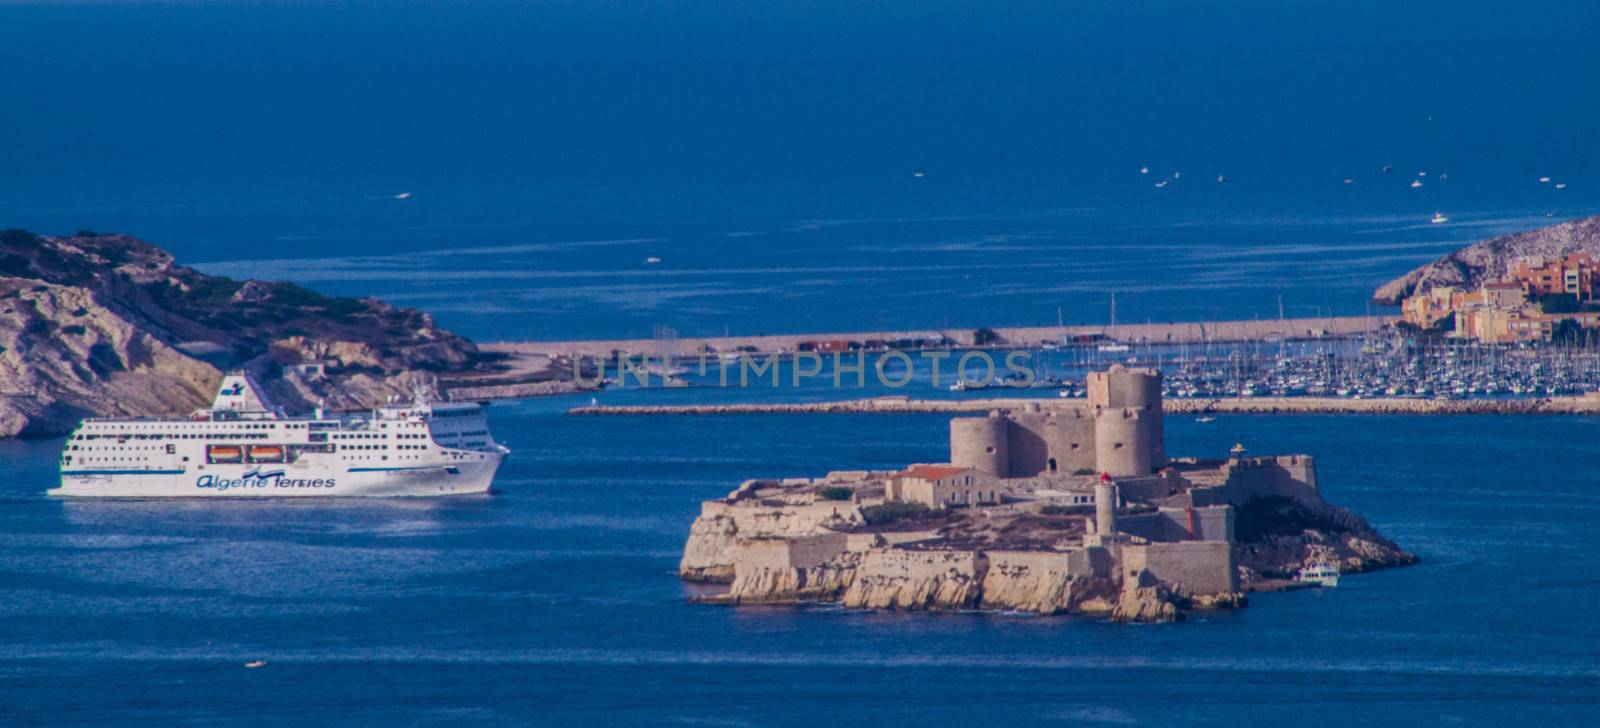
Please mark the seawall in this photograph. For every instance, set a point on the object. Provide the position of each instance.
(1215, 331)
(1581, 405)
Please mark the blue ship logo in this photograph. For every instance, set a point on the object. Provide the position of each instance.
(257, 474)
(234, 391)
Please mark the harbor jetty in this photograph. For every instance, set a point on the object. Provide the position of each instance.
(1149, 333)
(1574, 405)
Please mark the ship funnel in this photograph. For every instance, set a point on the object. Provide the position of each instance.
(240, 392)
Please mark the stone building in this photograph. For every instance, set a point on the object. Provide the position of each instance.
(1541, 276)
(943, 486)
(1121, 432)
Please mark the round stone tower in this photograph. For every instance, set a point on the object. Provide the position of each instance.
(1122, 445)
(980, 443)
(1130, 430)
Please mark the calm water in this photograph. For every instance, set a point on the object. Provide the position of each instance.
(554, 601)
(766, 154)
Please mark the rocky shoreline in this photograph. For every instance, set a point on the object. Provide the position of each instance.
(738, 540)
(107, 325)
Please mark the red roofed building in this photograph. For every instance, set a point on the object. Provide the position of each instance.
(942, 486)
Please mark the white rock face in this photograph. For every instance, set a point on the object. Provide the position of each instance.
(66, 357)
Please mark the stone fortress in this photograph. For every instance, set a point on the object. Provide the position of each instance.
(1056, 508)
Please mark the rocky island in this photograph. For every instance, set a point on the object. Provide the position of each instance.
(1065, 510)
(107, 325)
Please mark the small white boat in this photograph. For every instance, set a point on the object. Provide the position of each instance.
(652, 260)
(918, 174)
(1322, 574)
(1205, 418)
(1544, 180)
(1113, 348)
(1561, 185)
(403, 196)
(1144, 170)
(1222, 178)
(1349, 181)
(1439, 217)
(959, 386)
(253, 664)
(1416, 183)
(1162, 183)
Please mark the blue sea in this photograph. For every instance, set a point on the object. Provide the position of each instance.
(796, 167)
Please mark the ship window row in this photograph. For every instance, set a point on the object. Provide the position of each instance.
(177, 436)
(454, 413)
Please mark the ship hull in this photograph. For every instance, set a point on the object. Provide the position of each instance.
(457, 477)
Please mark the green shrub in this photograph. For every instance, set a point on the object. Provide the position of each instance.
(891, 512)
(837, 492)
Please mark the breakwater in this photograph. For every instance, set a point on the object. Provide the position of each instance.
(1584, 405)
(1166, 333)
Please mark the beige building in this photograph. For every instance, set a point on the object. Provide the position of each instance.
(943, 486)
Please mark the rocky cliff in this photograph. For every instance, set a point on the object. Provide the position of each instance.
(1488, 259)
(108, 325)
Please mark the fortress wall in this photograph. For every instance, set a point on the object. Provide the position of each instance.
(1027, 436)
(1214, 523)
(980, 443)
(1073, 441)
(1286, 476)
(1091, 561)
(1187, 567)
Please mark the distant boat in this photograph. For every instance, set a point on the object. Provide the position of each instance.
(1349, 181)
(1561, 185)
(253, 664)
(1416, 183)
(1322, 573)
(652, 260)
(1222, 178)
(1422, 174)
(403, 196)
(1544, 180)
(1144, 170)
(959, 386)
(1205, 419)
(1388, 168)
(918, 174)
(1113, 348)
(1439, 217)
(1162, 183)
(1176, 175)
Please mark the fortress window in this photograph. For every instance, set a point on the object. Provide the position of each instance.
(989, 449)
(1119, 446)
(1053, 463)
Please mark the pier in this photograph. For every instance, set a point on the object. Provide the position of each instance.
(1565, 405)
(1149, 333)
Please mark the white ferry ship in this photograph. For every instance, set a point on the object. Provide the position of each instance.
(244, 446)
